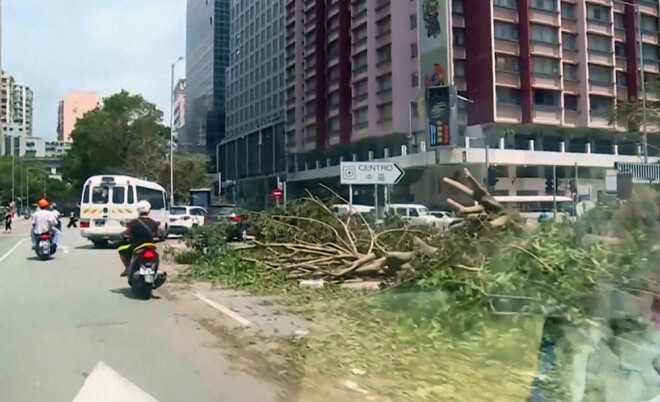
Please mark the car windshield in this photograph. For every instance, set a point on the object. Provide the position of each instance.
(225, 210)
(423, 211)
(178, 211)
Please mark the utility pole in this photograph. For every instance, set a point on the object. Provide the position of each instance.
(641, 63)
(172, 132)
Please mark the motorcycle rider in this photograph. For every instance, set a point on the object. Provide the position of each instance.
(138, 231)
(43, 221)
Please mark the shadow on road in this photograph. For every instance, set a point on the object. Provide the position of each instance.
(128, 293)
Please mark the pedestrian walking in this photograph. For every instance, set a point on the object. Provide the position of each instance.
(9, 216)
(73, 221)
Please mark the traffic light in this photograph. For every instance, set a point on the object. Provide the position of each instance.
(549, 185)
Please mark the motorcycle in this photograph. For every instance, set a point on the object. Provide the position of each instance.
(45, 247)
(144, 276)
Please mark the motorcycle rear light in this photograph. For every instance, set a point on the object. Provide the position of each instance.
(44, 237)
(84, 223)
(236, 218)
(149, 255)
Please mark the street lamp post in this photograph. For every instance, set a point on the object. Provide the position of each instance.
(172, 132)
(641, 64)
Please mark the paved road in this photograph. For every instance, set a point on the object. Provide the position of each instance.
(60, 318)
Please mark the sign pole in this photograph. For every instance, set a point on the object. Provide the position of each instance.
(554, 191)
(350, 195)
(284, 194)
(376, 200)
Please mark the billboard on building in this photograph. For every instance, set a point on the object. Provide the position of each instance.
(435, 61)
(442, 109)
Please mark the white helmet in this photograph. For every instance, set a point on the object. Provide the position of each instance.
(143, 207)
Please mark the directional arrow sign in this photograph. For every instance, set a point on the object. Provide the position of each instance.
(106, 385)
(370, 173)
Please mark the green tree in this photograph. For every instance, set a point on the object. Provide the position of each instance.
(189, 172)
(125, 136)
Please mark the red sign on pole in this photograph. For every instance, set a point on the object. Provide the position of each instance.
(276, 194)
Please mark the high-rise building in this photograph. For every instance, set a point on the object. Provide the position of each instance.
(179, 108)
(73, 107)
(254, 144)
(17, 105)
(207, 57)
(351, 75)
(536, 82)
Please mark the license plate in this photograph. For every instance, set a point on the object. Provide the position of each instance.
(146, 271)
(172, 219)
(99, 222)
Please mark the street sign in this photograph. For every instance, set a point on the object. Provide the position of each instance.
(276, 194)
(370, 173)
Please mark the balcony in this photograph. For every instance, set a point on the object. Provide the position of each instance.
(646, 7)
(622, 93)
(571, 118)
(601, 88)
(651, 66)
(569, 25)
(508, 113)
(507, 46)
(546, 81)
(571, 87)
(359, 45)
(619, 35)
(599, 57)
(599, 27)
(545, 49)
(650, 37)
(547, 114)
(545, 17)
(505, 14)
(507, 79)
(620, 63)
(570, 55)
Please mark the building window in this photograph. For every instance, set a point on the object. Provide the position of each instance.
(413, 50)
(545, 66)
(569, 41)
(619, 49)
(384, 54)
(547, 5)
(506, 63)
(508, 96)
(601, 106)
(570, 72)
(650, 53)
(361, 117)
(545, 97)
(649, 24)
(414, 80)
(598, 13)
(413, 21)
(621, 80)
(457, 7)
(459, 36)
(600, 74)
(385, 111)
(384, 83)
(506, 31)
(568, 11)
(599, 43)
(459, 68)
(506, 3)
(545, 34)
(619, 21)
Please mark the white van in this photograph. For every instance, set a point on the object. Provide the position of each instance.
(108, 202)
(416, 214)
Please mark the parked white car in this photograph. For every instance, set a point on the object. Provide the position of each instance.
(447, 217)
(346, 209)
(417, 214)
(184, 218)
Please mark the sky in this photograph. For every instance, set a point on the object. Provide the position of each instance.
(104, 46)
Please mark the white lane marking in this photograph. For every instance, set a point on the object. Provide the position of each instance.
(105, 385)
(8, 253)
(224, 310)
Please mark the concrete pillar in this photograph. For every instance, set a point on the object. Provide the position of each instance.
(341, 159)
(639, 150)
(502, 143)
(318, 164)
(306, 167)
(386, 152)
(354, 157)
(588, 147)
(616, 149)
(562, 146)
(531, 145)
(371, 155)
(467, 142)
(404, 150)
(328, 162)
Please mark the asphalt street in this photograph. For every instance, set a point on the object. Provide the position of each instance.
(73, 319)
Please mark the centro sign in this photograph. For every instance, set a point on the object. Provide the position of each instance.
(370, 173)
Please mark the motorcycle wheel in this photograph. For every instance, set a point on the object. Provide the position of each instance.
(146, 293)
